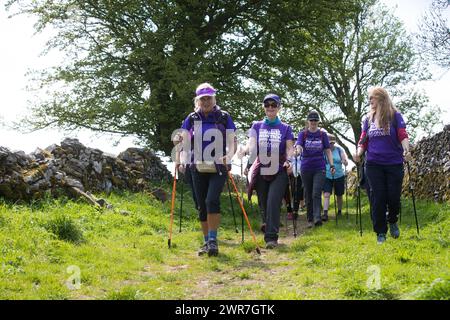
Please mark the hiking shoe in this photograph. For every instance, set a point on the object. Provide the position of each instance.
(290, 216)
(325, 218)
(309, 224)
(263, 228)
(203, 249)
(213, 249)
(339, 213)
(394, 230)
(318, 223)
(381, 237)
(271, 244)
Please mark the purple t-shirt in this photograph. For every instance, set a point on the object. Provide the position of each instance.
(212, 121)
(313, 147)
(271, 140)
(384, 148)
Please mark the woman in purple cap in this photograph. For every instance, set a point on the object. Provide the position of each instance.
(270, 142)
(209, 134)
(311, 145)
(385, 139)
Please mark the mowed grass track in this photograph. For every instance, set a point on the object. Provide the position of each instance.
(64, 249)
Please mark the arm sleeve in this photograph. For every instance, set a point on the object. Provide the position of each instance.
(401, 127)
(363, 141)
(326, 141)
(230, 123)
(299, 139)
(186, 124)
(289, 134)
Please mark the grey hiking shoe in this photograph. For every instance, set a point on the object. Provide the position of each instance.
(310, 224)
(394, 230)
(271, 244)
(203, 249)
(381, 237)
(213, 248)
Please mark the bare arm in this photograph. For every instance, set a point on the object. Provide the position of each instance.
(344, 157)
(330, 160)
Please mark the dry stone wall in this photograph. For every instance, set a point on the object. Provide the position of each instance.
(430, 168)
(73, 168)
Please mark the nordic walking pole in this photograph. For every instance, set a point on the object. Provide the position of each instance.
(243, 211)
(242, 190)
(333, 189)
(358, 201)
(242, 197)
(411, 188)
(181, 203)
(232, 207)
(286, 216)
(357, 192)
(174, 189)
(346, 191)
(294, 215)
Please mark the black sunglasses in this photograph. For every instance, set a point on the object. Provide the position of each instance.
(314, 120)
(271, 105)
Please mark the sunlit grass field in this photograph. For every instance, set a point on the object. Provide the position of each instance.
(65, 249)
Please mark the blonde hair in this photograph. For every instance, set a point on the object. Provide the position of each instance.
(196, 99)
(385, 108)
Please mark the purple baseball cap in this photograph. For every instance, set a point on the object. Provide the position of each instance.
(274, 97)
(205, 91)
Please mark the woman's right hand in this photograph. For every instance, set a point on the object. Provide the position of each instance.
(177, 139)
(298, 150)
(356, 157)
(180, 168)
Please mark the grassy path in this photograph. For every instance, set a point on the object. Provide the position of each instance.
(60, 249)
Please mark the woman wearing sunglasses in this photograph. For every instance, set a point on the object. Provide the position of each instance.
(270, 142)
(311, 144)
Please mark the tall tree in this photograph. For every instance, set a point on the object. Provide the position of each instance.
(370, 49)
(434, 34)
(132, 65)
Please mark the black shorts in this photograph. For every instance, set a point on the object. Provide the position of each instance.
(339, 185)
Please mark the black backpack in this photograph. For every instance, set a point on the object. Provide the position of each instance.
(221, 117)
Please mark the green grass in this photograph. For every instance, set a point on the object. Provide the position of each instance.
(64, 249)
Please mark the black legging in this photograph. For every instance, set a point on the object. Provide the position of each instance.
(386, 187)
(208, 187)
(188, 180)
(297, 191)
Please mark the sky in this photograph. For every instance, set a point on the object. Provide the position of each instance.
(20, 51)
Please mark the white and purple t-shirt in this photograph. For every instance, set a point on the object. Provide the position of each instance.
(313, 146)
(271, 140)
(384, 148)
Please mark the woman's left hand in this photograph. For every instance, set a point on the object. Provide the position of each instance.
(333, 170)
(407, 156)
